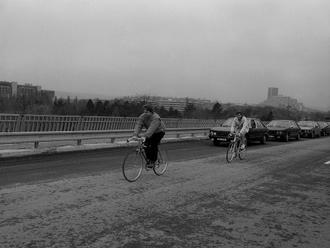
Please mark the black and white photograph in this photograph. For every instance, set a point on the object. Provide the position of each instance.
(164, 123)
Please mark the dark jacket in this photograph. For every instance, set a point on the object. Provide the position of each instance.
(151, 122)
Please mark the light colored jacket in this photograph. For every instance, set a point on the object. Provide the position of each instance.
(151, 122)
(240, 126)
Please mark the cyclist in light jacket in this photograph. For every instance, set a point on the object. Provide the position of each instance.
(154, 133)
(240, 125)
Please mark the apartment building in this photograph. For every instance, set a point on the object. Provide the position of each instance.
(12, 89)
(172, 102)
(280, 101)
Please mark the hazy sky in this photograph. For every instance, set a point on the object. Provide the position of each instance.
(227, 50)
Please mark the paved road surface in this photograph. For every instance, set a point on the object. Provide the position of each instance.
(73, 164)
(278, 197)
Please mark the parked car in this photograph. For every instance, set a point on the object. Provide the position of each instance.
(325, 128)
(309, 129)
(257, 131)
(283, 130)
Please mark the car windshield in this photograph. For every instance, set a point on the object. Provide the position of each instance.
(323, 124)
(227, 122)
(284, 124)
(306, 123)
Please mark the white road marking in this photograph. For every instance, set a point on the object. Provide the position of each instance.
(328, 162)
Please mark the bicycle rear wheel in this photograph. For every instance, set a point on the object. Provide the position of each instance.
(132, 166)
(161, 163)
(231, 152)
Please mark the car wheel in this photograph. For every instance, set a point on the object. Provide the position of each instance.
(298, 136)
(216, 142)
(263, 139)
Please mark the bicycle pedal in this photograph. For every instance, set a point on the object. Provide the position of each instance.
(156, 165)
(149, 167)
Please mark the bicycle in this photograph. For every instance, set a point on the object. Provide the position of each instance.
(136, 160)
(234, 148)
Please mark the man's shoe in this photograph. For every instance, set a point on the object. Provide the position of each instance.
(242, 147)
(150, 165)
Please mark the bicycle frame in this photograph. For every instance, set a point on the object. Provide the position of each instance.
(140, 148)
(237, 140)
(233, 149)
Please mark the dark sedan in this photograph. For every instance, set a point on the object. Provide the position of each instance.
(325, 128)
(257, 131)
(310, 129)
(283, 130)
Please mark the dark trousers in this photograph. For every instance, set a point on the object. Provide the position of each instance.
(152, 145)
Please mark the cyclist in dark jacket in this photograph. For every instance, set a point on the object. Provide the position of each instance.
(154, 133)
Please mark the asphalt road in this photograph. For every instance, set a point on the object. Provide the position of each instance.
(278, 197)
(74, 164)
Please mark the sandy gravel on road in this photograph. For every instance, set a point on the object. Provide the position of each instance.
(278, 197)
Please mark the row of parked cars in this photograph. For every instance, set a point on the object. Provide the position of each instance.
(274, 130)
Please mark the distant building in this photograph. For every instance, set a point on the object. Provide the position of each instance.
(50, 94)
(178, 104)
(12, 89)
(272, 92)
(28, 90)
(5, 89)
(279, 101)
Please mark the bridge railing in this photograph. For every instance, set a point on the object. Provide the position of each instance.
(53, 123)
(109, 136)
(16, 129)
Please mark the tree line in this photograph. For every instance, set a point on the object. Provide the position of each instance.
(119, 107)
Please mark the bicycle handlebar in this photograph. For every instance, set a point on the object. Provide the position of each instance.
(235, 135)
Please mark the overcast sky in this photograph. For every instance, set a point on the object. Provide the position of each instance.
(226, 50)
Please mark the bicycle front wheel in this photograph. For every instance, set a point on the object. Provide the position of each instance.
(161, 163)
(242, 153)
(231, 152)
(132, 166)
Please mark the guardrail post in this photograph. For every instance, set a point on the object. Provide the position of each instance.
(192, 135)
(79, 126)
(36, 144)
(19, 124)
(112, 140)
(177, 135)
(79, 142)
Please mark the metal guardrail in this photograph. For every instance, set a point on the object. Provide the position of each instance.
(78, 136)
(54, 123)
(16, 128)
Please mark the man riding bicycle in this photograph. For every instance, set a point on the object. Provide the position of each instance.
(155, 132)
(241, 127)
